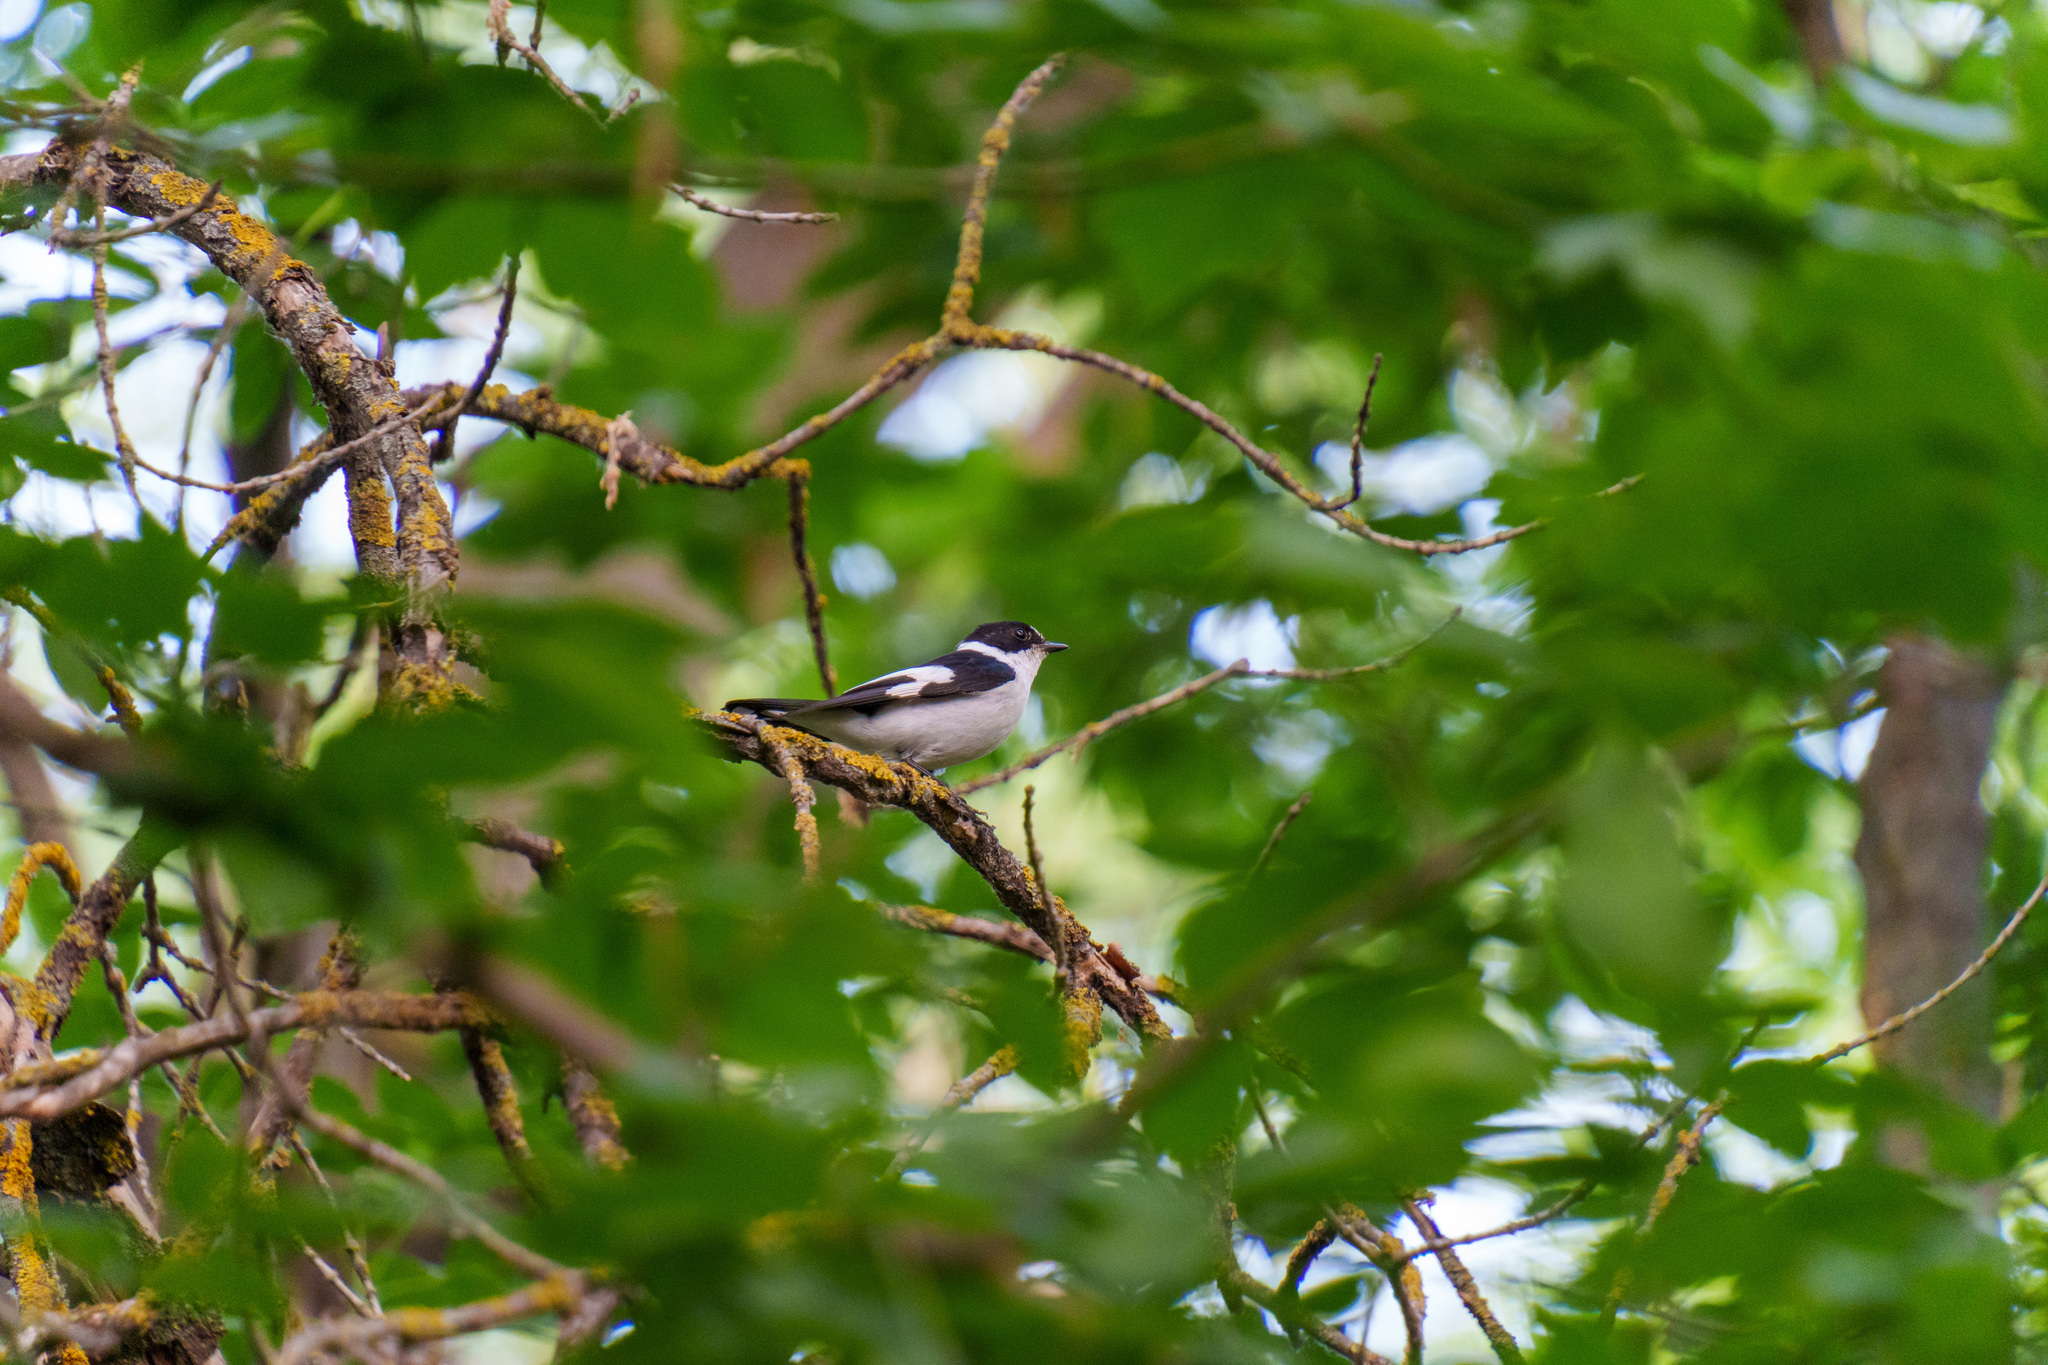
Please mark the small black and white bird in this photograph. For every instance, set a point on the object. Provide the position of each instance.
(955, 708)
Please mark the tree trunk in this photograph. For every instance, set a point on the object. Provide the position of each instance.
(1921, 855)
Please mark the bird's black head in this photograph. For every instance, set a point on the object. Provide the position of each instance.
(1011, 637)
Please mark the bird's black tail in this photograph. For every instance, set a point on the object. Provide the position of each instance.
(766, 707)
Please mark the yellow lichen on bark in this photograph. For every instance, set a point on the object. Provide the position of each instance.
(35, 1282)
(422, 687)
(369, 507)
(31, 1001)
(38, 857)
(1082, 1030)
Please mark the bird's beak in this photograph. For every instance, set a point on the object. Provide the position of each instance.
(1051, 648)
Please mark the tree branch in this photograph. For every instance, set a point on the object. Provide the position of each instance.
(963, 828)
(1502, 1340)
(360, 398)
(595, 1120)
(690, 196)
(373, 1338)
(44, 1090)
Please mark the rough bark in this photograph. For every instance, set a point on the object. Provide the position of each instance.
(419, 555)
(1921, 855)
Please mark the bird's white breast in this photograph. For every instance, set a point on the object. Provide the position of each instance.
(943, 731)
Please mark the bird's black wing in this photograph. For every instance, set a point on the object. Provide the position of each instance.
(961, 673)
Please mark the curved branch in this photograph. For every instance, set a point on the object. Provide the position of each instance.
(1905, 1017)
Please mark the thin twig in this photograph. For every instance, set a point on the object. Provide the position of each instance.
(333, 1277)
(1004, 339)
(1280, 832)
(1094, 730)
(139, 1182)
(319, 463)
(501, 29)
(798, 478)
(1059, 954)
(957, 313)
(688, 195)
(1017, 938)
(958, 1095)
(1563, 1205)
(391, 1159)
(1358, 441)
(1242, 668)
(124, 448)
(492, 355)
(64, 237)
(1899, 1021)
(231, 322)
(1682, 1160)
(362, 1045)
(1271, 1129)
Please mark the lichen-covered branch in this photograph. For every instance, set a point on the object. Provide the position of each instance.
(994, 142)
(46, 1089)
(420, 554)
(500, 1095)
(375, 1338)
(966, 832)
(1502, 1340)
(998, 933)
(545, 855)
(1384, 1250)
(46, 1002)
(1288, 1312)
(38, 857)
(592, 1115)
(341, 969)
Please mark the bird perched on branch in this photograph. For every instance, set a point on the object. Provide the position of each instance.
(957, 707)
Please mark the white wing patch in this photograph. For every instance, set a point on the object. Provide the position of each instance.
(917, 679)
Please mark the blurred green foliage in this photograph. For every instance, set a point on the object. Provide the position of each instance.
(1582, 853)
